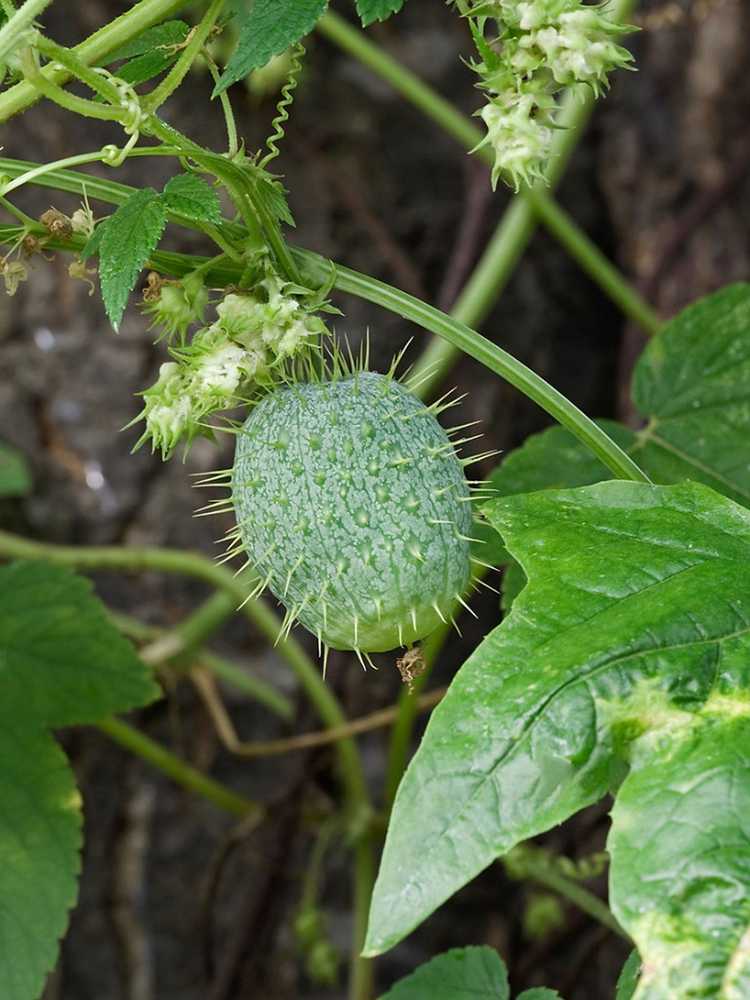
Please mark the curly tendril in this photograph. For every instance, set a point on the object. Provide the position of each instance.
(285, 102)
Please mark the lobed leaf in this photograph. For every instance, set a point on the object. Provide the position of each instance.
(634, 594)
(62, 662)
(680, 848)
(125, 243)
(692, 384)
(273, 196)
(476, 973)
(377, 10)
(40, 842)
(193, 197)
(266, 29)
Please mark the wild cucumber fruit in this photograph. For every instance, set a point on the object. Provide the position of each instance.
(353, 506)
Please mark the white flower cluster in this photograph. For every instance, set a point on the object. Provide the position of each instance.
(541, 46)
(225, 362)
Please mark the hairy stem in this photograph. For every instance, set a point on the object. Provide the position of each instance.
(93, 50)
(196, 40)
(19, 21)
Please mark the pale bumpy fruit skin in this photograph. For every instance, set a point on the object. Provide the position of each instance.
(351, 501)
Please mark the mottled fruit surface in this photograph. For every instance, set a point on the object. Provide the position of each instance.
(350, 500)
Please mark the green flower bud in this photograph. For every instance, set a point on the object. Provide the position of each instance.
(175, 306)
(519, 129)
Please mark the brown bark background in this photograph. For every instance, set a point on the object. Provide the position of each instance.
(660, 182)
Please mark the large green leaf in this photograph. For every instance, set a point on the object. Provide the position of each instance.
(61, 662)
(459, 974)
(680, 847)
(127, 239)
(554, 460)
(40, 841)
(693, 382)
(633, 590)
(268, 27)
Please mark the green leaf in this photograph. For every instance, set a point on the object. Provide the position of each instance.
(40, 842)
(680, 847)
(693, 382)
(143, 68)
(513, 582)
(191, 196)
(377, 10)
(129, 237)
(555, 459)
(61, 662)
(15, 478)
(628, 978)
(539, 993)
(162, 38)
(634, 592)
(552, 459)
(459, 974)
(273, 197)
(267, 29)
(93, 244)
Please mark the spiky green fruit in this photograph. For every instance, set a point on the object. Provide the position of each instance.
(352, 504)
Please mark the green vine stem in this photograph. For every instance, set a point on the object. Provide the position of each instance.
(78, 105)
(590, 258)
(196, 40)
(19, 22)
(175, 561)
(93, 80)
(189, 777)
(92, 50)
(254, 688)
(359, 809)
(243, 682)
(460, 336)
(527, 862)
(518, 223)
(457, 334)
